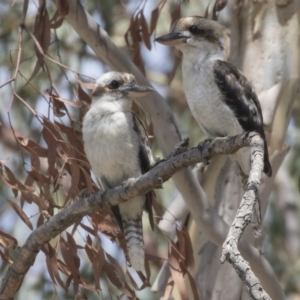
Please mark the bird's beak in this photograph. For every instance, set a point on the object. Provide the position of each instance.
(172, 39)
(135, 90)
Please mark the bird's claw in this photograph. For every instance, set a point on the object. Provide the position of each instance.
(83, 194)
(201, 147)
(160, 182)
(179, 148)
(126, 183)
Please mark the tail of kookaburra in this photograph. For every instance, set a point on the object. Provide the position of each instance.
(129, 217)
(133, 232)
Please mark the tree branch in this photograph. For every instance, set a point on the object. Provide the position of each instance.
(103, 201)
(242, 219)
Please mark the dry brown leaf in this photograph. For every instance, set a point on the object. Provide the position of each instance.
(75, 176)
(86, 285)
(32, 147)
(104, 225)
(154, 19)
(136, 29)
(20, 213)
(175, 14)
(40, 220)
(63, 7)
(98, 267)
(92, 231)
(83, 96)
(168, 289)
(74, 138)
(185, 247)
(132, 281)
(36, 69)
(145, 31)
(189, 255)
(29, 182)
(12, 182)
(59, 108)
(117, 267)
(110, 272)
(51, 261)
(172, 73)
(13, 242)
(56, 21)
(35, 164)
(71, 241)
(127, 33)
(181, 242)
(68, 282)
(42, 33)
(89, 249)
(41, 29)
(71, 259)
(138, 61)
(146, 282)
(193, 286)
(135, 108)
(176, 253)
(51, 142)
(147, 268)
(5, 256)
(96, 256)
(89, 183)
(220, 4)
(3, 242)
(60, 102)
(87, 85)
(31, 197)
(38, 177)
(52, 128)
(177, 276)
(63, 267)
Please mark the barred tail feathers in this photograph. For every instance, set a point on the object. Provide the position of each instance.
(133, 231)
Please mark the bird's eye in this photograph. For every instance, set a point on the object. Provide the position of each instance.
(195, 30)
(114, 84)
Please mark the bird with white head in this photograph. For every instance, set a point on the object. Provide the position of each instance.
(117, 147)
(221, 99)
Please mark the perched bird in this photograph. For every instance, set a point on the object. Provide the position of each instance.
(221, 99)
(116, 145)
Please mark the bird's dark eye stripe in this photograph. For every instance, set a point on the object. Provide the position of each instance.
(195, 30)
(114, 84)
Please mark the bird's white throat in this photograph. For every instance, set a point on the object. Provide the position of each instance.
(108, 104)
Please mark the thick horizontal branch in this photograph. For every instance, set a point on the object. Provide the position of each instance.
(100, 201)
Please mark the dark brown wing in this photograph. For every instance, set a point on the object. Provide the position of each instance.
(115, 209)
(145, 160)
(240, 97)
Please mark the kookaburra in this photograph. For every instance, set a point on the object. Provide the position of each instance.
(117, 147)
(221, 99)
